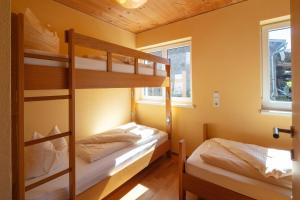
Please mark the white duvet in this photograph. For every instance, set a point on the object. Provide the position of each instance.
(269, 162)
(269, 165)
(100, 145)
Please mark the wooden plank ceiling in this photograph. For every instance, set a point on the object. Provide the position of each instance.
(151, 15)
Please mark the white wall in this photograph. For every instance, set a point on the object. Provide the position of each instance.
(5, 122)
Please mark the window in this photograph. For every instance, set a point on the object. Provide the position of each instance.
(180, 56)
(277, 74)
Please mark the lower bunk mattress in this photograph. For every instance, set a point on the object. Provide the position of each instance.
(89, 174)
(256, 189)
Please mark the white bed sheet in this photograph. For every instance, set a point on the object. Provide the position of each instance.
(247, 186)
(88, 174)
(94, 64)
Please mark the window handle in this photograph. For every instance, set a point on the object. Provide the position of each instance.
(276, 132)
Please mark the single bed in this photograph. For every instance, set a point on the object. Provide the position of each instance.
(89, 174)
(211, 182)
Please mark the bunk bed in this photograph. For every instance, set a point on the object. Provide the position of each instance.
(212, 181)
(31, 71)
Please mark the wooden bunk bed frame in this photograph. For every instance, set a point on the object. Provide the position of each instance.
(199, 187)
(33, 77)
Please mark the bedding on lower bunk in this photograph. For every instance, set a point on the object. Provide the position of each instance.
(213, 163)
(90, 173)
(95, 63)
(100, 145)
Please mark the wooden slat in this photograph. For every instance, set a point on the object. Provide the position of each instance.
(48, 138)
(46, 98)
(154, 69)
(181, 168)
(136, 66)
(44, 78)
(46, 57)
(17, 92)
(50, 178)
(168, 105)
(89, 42)
(98, 79)
(207, 190)
(109, 61)
(133, 105)
(72, 86)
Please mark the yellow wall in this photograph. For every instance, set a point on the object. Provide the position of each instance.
(97, 109)
(224, 42)
(5, 117)
(226, 58)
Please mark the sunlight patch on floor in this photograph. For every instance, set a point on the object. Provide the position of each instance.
(135, 193)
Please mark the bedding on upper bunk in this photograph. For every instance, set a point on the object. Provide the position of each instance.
(230, 174)
(90, 173)
(120, 64)
(39, 36)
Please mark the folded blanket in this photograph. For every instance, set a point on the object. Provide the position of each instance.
(269, 162)
(93, 152)
(218, 156)
(100, 145)
(143, 132)
(117, 135)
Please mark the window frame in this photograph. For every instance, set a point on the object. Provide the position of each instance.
(164, 50)
(267, 103)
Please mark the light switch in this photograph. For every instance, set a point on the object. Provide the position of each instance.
(216, 99)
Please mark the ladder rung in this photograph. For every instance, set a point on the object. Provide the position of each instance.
(44, 139)
(46, 57)
(46, 98)
(45, 180)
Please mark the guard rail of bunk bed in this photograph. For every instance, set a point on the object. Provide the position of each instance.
(34, 77)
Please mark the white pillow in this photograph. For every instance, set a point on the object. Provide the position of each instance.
(60, 143)
(42, 158)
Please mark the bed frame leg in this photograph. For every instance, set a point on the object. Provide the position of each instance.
(182, 195)
(181, 168)
(169, 154)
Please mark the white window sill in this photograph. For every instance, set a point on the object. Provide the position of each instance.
(174, 104)
(276, 112)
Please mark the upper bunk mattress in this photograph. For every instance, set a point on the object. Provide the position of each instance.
(89, 174)
(96, 64)
(247, 186)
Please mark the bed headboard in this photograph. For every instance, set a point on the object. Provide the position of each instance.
(205, 132)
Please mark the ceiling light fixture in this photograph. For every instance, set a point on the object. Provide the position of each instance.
(131, 4)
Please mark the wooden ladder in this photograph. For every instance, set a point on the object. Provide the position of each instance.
(18, 101)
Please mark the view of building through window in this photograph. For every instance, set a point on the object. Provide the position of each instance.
(155, 92)
(280, 64)
(180, 72)
(277, 66)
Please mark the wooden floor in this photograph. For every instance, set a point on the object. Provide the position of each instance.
(157, 182)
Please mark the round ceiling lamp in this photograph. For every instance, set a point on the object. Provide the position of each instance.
(131, 4)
